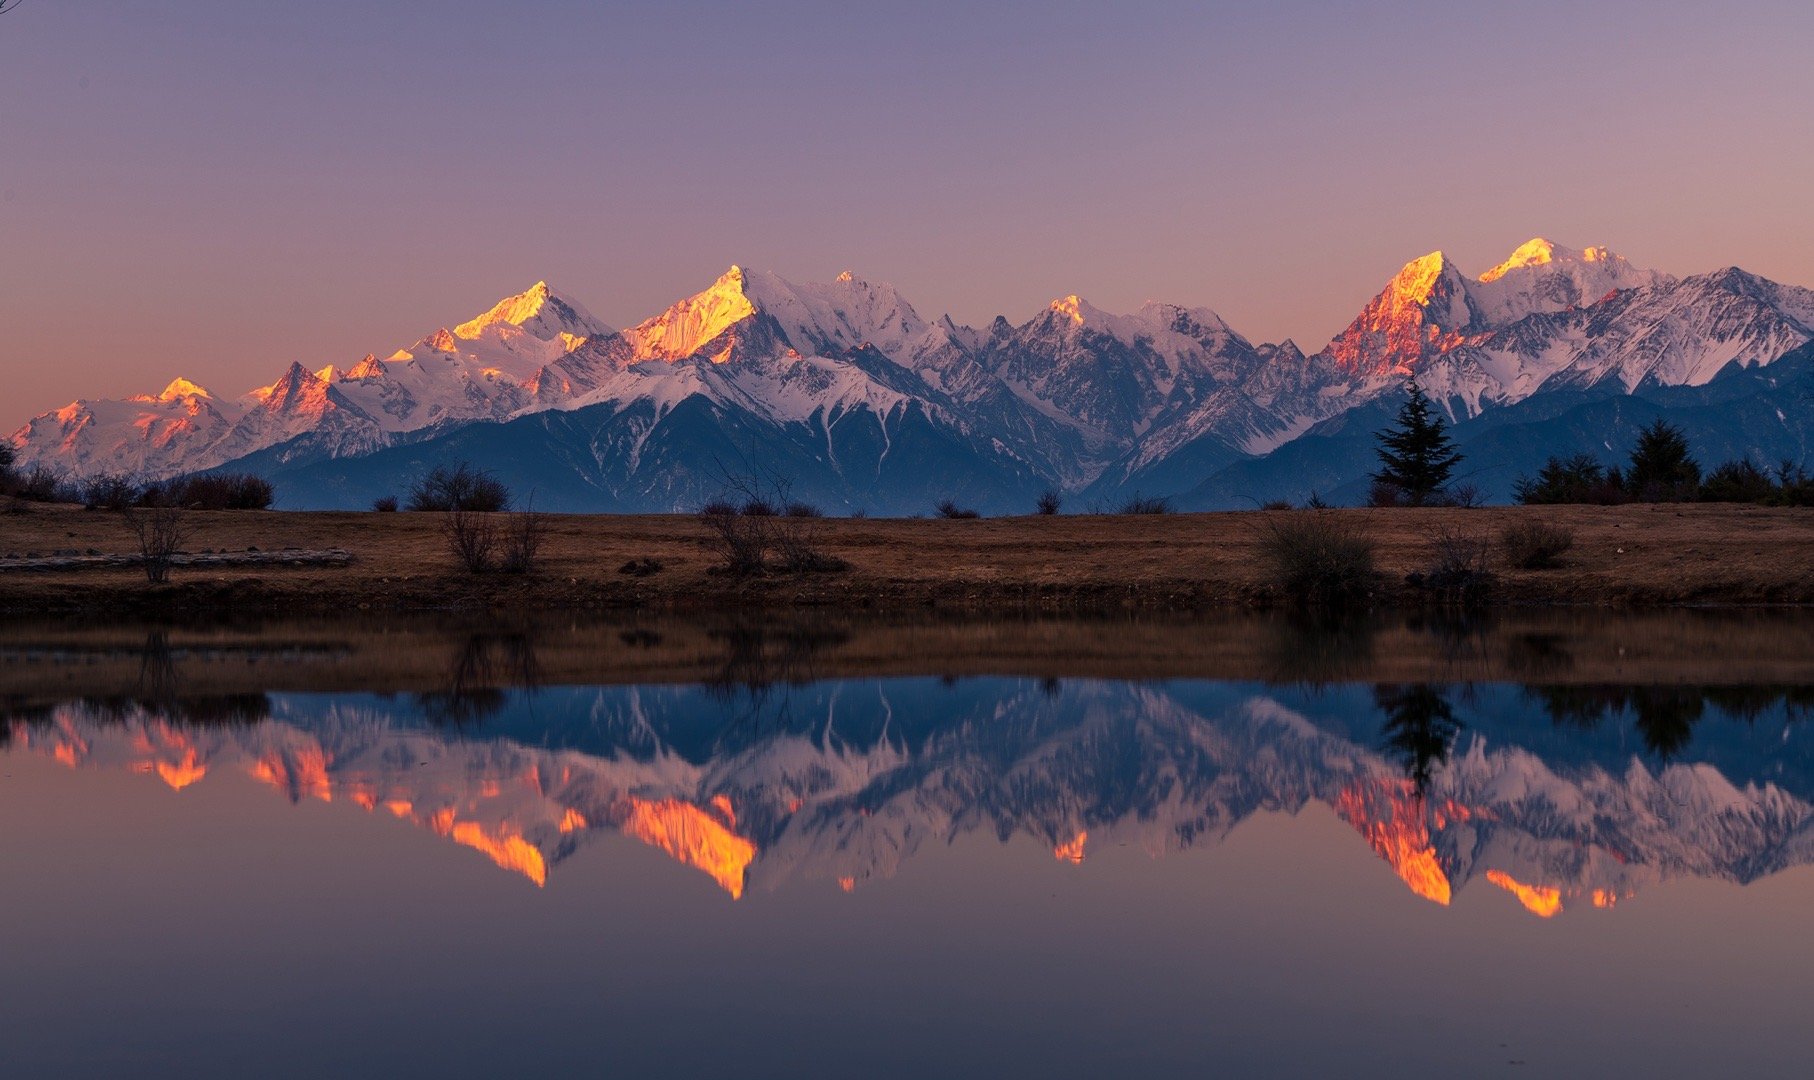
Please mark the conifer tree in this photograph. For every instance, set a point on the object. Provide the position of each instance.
(1416, 455)
(1661, 468)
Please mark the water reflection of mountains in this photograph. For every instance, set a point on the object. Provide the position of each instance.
(1563, 795)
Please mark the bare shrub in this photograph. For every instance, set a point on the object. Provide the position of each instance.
(753, 537)
(385, 504)
(797, 551)
(642, 567)
(1466, 496)
(1458, 571)
(1141, 504)
(471, 536)
(160, 531)
(1317, 559)
(460, 487)
(1049, 502)
(109, 491)
(950, 509)
(215, 491)
(523, 541)
(1277, 504)
(1535, 545)
(39, 484)
(1386, 493)
(741, 540)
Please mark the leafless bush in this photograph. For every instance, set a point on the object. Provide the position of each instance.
(1144, 504)
(1049, 502)
(741, 540)
(1458, 572)
(385, 504)
(109, 491)
(459, 487)
(797, 551)
(214, 491)
(39, 484)
(753, 537)
(950, 509)
(1277, 504)
(161, 531)
(1466, 496)
(471, 536)
(1317, 559)
(1535, 545)
(523, 541)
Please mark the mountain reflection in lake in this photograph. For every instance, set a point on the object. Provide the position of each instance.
(788, 765)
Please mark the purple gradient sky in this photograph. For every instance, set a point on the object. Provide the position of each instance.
(215, 188)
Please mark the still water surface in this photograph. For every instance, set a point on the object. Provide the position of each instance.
(209, 868)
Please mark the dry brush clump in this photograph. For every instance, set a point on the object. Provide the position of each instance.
(459, 487)
(522, 541)
(950, 510)
(1318, 559)
(213, 491)
(1145, 504)
(472, 537)
(753, 543)
(1535, 545)
(1459, 572)
(161, 531)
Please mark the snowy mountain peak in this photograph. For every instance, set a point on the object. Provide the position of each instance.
(369, 368)
(1423, 310)
(538, 310)
(1074, 308)
(688, 326)
(1544, 276)
(179, 389)
(1542, 252)
(297, 380)
(1193, 322)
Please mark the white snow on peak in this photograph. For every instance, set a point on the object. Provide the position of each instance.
(815, 318)
(1543, 276)
(178, 389)
(539, 311)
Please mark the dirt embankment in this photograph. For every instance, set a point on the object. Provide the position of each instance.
(1623, 556)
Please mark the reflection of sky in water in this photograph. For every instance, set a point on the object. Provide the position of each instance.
(928, 874)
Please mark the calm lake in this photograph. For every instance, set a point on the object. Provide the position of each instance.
(1562, 844)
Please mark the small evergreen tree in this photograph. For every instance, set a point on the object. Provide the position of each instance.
(1577, 479)
(1416, 455)
(1661, 470)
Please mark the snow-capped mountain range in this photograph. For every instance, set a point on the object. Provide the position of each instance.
(844, 782)
(845, 393)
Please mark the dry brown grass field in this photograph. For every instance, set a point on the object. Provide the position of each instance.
(1622, 556)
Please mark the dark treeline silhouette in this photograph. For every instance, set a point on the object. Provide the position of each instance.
(1662, 468)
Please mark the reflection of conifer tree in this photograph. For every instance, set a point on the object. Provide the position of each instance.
(1420, 727)
(1665, 717)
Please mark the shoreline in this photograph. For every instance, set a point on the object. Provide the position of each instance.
(1634, 556)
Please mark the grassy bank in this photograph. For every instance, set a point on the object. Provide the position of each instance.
(1621, 556)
